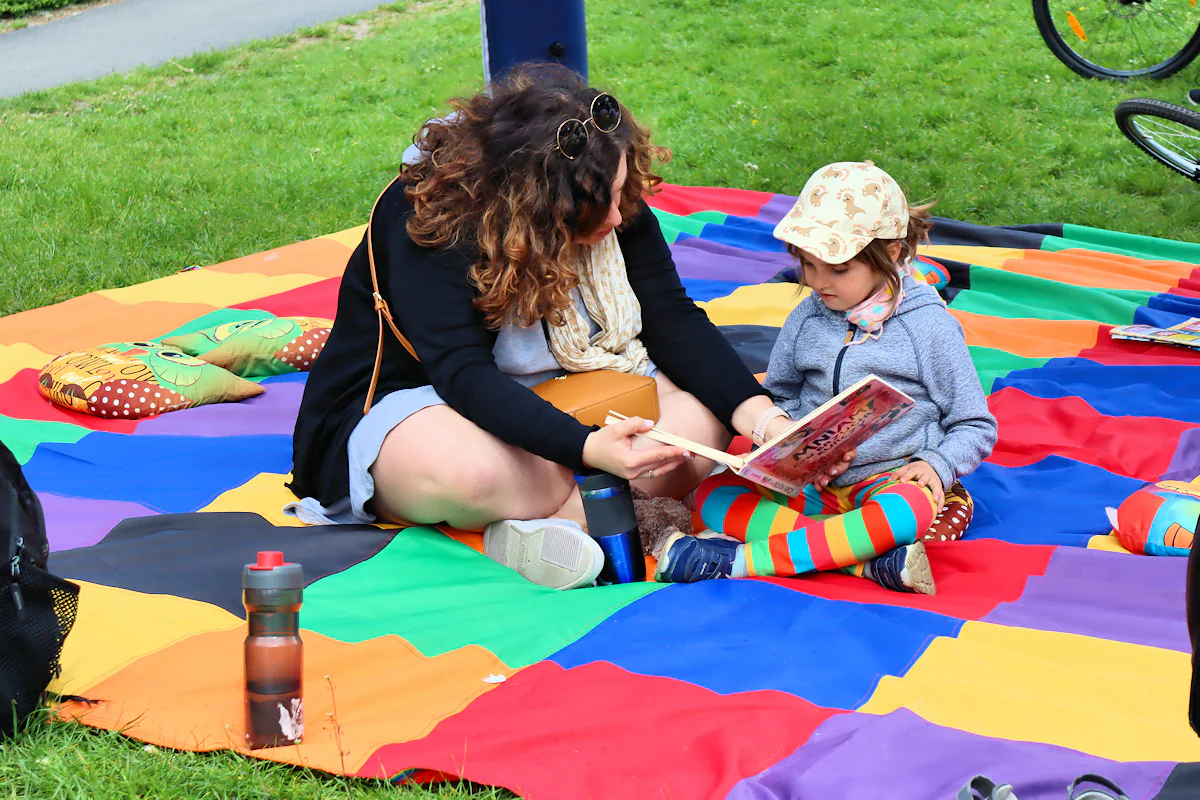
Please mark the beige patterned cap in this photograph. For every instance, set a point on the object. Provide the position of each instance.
(842, 208)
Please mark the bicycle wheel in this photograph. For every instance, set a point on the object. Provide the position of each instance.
(1167, 132)
(1120, 39)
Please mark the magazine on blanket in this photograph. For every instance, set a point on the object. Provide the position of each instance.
(1185, 334)
(794, 458)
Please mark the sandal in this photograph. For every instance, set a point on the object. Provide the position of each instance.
(1110, 790)
(981, 788)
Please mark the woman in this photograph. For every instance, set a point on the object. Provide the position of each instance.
(478, 250)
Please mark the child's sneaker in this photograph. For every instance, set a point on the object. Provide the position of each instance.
(905, 569)
(555, 553)
(687, 559)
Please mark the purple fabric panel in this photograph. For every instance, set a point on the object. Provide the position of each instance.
(79, 522)
(774, 209)
(272, 412)
(712, 261)
(859, 756)
(1123, 598)
(1185, 464)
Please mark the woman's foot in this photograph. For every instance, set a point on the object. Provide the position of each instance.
(554, 553)
(905, 569)
(687, 559)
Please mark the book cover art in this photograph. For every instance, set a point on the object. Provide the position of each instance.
(800, 455)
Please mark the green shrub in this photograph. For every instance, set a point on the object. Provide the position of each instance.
(19, 8)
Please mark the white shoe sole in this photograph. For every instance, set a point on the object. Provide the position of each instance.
(549, 553)
(916, 566)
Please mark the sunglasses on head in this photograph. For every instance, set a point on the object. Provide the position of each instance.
(605, 115)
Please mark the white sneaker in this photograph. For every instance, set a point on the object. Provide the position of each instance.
(555, 553)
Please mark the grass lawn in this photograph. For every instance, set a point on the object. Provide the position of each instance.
(135, 176)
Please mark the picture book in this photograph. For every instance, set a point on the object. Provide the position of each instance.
(1186, 334)
(794, 458)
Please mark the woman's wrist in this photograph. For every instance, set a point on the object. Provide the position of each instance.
(760, 434)
(746, 415)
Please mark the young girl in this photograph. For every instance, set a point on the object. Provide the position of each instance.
(856, 237)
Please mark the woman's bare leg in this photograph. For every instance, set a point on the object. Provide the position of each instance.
(436, 466)
(682, 414)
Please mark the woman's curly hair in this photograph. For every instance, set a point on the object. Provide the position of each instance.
(492, 177)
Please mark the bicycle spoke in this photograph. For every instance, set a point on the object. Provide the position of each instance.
(1123, 38)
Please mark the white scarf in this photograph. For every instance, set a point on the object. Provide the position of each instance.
(611, 303)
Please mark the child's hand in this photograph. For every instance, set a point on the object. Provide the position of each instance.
(776, 427)
(920, 473)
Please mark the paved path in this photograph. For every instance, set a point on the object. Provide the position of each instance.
(119, 37)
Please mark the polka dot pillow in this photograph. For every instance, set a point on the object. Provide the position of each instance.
(132, 380)
(257, 348)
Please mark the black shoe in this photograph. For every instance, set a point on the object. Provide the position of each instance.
(1193, 97)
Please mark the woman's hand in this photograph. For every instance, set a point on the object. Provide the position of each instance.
(836, 469)
(611, 449)
(922, 474)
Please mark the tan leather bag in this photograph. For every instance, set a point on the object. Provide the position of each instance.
(586, 396)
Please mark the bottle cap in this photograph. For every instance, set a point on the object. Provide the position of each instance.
(268, 559)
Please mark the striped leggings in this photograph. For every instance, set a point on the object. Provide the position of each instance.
(822, 529)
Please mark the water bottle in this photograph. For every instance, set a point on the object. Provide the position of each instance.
(272, 592)
(608, 507)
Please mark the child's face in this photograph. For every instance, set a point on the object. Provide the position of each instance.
(840, 286)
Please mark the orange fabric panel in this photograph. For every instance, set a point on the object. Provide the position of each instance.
(1101, 270)
(1032, 338)
(91, 320)
(323, 257)
(357, 697)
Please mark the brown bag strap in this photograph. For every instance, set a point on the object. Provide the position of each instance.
(381, 308)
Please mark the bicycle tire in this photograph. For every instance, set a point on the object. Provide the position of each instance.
(1089, 69)
(1184, 163)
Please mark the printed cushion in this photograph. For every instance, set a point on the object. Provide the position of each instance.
(131, 380)
(257, 348)
(1158, 519)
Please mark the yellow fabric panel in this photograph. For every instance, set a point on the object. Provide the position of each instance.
(993, 257)
(264, 494)
(218, 289)
(1107, 542)
(1115, 700)
(115, 627)
(351, 237)
(19, 356)
(763, 304)
(189, 696)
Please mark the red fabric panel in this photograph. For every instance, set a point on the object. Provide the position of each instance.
(685, 200)
(598, 731)
(973, 576)
(1032, 428)
(21, 399)
(1124, 353)
(313, 300)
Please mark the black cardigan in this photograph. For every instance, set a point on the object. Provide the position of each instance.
(432, 302)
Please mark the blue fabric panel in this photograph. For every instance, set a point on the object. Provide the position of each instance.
(169, 474)
(1117, 391)
(745, 635)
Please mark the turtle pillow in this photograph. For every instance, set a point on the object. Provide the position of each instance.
(132, 380)
(257, 348)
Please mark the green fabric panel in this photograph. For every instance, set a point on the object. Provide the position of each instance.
(440, 595)
(24, 435)
(1127, 244)
(214, 318)
(1015, 296)
(991, 363)
(673, 224)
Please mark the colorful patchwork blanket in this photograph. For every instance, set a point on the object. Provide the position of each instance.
(1047, 652)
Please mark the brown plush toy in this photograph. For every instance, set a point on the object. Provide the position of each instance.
(658, 518)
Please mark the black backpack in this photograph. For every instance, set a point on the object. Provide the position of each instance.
(37, 609)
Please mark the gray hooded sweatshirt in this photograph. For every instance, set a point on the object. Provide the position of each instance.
(921, 351)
